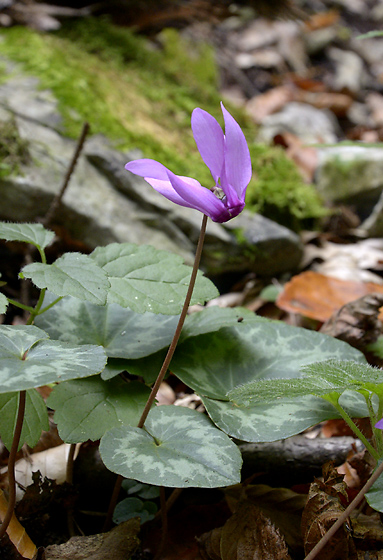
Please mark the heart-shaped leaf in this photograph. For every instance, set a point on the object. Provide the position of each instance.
(73, 274)
(122, 332)
(281, 419)
(146, 279)
(35, 418)
(28, 359)
(36, 234)
(87, 408)
(215, 363)
(178, 447)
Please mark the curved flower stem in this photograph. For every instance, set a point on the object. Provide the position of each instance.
(11, 464)
(180, 324)
(166, 363)
(356, 430)
(343, 517)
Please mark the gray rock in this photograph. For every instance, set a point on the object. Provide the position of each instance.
(350, 74)
(350, 174)
(311, 125)
(104, 203)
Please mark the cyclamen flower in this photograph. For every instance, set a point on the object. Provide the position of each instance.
(379, 424)
(228, 159)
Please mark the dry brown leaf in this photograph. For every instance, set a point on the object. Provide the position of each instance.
(318, 296)
(281, 505)
(17, 533)
(250, 535)
(321, 512)
(210, 544)
(119, 544)
(247, 535)
(305, 157)
(268, 103)
(357, 322)
(322, 19)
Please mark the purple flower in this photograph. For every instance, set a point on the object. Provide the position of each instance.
(228, 159)
(379, 424)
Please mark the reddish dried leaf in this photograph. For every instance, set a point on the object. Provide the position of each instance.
(270, 102)
(305, 157)
(321, 512)
(322, 19)
(317, 296)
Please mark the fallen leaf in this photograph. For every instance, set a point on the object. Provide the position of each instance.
(321, 512)
(51, 463)
(119, 544)
(318, 296)
(357, 322)
(281, 505)
(17, 533)
(268, 103)
(247, 535)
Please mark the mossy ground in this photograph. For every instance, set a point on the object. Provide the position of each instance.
(141, 94)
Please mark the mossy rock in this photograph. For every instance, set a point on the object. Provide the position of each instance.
(141, 94)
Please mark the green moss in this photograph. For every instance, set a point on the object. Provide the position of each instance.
(141, 96)
(279, 191)
(13, 149)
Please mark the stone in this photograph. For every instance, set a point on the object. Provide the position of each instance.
(311, 125)
(350, 174)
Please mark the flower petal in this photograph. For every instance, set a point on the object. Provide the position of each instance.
(210, 142)
(148, 168)
(197, 196)
(166, 189)
(379, 424)
(237, 156)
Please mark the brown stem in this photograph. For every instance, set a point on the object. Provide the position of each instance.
(164, 520)
(165, 365)
(343, 517)
(69, 480)
(70, 463)
(57, 199)
(11, 464)
(180, 324)
(112, 503)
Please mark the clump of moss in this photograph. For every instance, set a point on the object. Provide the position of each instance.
(13, 149)
(279, 191)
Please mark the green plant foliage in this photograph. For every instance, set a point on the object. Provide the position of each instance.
(330, 377)
(73, 274)
(36, 234)
(178, 447)
(214, 363)
(122, 332)
(134, 507)
(146, 279)
(144, 491)
(87, 408)
(28, 359)
(36, 418)
(13, 149)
